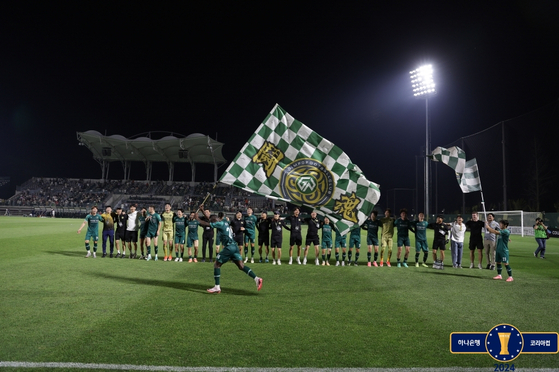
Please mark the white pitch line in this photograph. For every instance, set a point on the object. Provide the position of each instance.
(132, 367)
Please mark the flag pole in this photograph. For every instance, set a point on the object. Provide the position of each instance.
(209, 193)
(482, 199)
(483, 204)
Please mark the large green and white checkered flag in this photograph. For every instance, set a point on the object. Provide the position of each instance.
(286, 160)
(467, 173)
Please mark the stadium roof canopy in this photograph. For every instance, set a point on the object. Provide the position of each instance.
(171, 148)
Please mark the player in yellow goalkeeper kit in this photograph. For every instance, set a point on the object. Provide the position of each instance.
(387, 233)
(168, 232)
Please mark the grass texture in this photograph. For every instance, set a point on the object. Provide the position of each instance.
(57, 306)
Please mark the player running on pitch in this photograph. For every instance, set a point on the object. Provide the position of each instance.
(230, 251)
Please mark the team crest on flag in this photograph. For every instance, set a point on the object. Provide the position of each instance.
(307, 181)
(286, 160)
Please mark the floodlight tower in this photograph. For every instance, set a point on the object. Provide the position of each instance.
(424, 87)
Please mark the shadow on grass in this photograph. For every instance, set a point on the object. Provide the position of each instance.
(191, 287)
(455, 272)
(81, 253)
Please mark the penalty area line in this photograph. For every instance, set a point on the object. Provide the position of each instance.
(132, 367)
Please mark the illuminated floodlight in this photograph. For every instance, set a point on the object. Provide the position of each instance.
(423, 86)
(422, 81)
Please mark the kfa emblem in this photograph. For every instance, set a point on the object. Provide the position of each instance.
(307, 181)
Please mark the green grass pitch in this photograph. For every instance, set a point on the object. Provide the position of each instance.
(57, 306)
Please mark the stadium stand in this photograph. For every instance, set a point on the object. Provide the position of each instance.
(74, 197)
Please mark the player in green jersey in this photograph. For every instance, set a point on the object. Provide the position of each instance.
(326, 241)
(218, 236)
(143, 231)
(354, 241)
(502, 248)
(371, 225)
(404, 227)
(180, 231)
(339, 242)
(153, 220)
(230, 250)
(420, 227)
(250, 234)
(387, 234)
(92, 220)
(192, 237)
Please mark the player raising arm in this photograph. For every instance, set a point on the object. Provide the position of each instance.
(92, 221)
(502, 248)
(230, 251)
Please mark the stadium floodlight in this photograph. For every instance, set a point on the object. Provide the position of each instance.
(422, 81)
(423, 86)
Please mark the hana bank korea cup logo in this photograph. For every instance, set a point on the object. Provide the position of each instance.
(307, 181)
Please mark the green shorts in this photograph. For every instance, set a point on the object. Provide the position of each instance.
(403, 242)
(190, 240)
(179, 239)
(502, 257)
(371, 240)
(151, 234)
(92, 236)
(421, 245)
(249, 238)
(354, 242)
(230, 252)
(326, 244)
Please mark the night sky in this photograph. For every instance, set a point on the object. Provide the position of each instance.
(219, 68)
